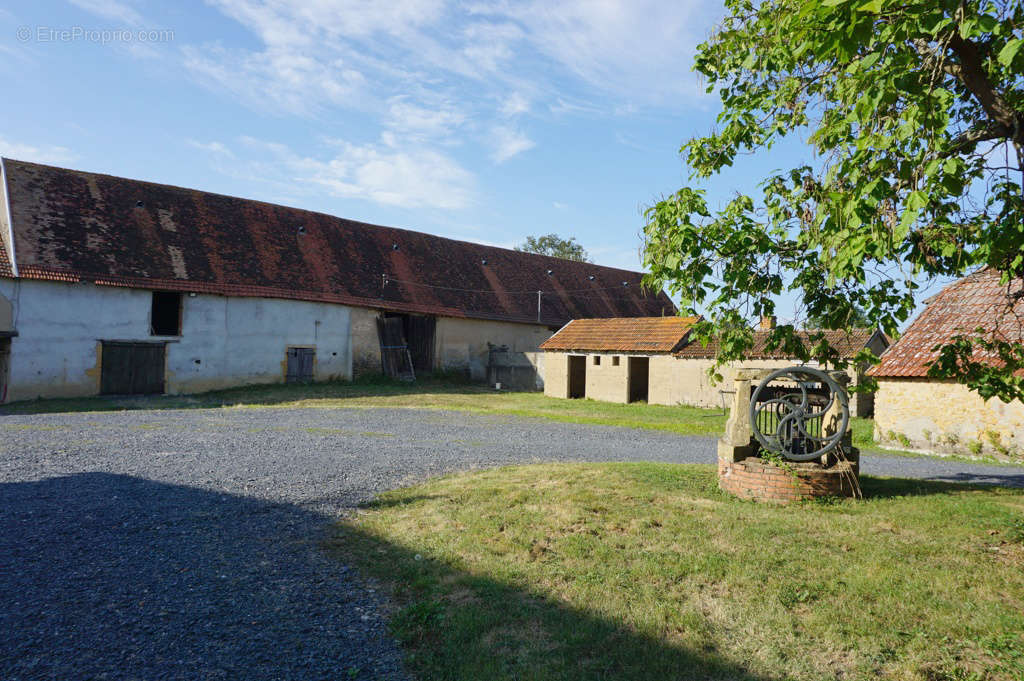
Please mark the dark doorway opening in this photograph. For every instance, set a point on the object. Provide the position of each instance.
(5, 367)
(406, 344)
(639, 378)
(128, 368)
(165, 315)
(300, 365)
(577, 376)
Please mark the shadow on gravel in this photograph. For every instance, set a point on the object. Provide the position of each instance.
(116, 577)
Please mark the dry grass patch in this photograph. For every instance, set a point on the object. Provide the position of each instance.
(647, 571)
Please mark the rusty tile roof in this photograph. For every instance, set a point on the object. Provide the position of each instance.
(846, 343)
(976, 300)
(70, 225)
(634, 334)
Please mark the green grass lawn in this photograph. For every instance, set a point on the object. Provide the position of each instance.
(648, 571)
(424, 394)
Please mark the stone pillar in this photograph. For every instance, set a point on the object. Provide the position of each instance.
(831, 421)
(737, 442)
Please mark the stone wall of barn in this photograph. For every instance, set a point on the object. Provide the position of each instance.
(945, 417)
(461, 345)
(365, 342)
(224, 341)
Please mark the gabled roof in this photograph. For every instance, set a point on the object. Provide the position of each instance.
(70, 226)
(846, 343)
(977, 300)
(636, 334)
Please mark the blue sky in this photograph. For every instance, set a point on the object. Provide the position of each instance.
(486, 121)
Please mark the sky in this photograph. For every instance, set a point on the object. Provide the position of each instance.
(485, 121)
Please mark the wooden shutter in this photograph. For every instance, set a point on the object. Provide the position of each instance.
(132, 368)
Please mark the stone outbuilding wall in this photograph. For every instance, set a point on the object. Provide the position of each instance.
(671, 380)
(945, 417)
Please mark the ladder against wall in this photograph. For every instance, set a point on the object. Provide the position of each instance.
(395, 358)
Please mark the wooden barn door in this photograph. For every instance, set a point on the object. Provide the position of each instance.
(5, 367)
(300, 365)
(420, 336)
(132, 368)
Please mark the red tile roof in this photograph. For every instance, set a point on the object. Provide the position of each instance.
(637, 334)
(846, 343)
(70, 225)
(978, 300)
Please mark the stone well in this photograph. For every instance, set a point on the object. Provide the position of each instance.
(743, 473)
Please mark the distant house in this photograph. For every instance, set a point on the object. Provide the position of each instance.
(918, 412)
(112, 285)
(656, 360)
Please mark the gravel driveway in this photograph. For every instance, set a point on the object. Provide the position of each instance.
(184, 544)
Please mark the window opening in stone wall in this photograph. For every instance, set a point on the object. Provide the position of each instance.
(165, 316)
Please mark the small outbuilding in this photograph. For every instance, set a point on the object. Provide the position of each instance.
(615, 360)
(656, 360)
(914, 411)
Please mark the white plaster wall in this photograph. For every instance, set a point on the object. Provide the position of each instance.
(241, 341)
(236, 341)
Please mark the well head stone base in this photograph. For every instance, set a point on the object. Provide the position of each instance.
(755, 478)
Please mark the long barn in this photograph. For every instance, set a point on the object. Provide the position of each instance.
(112, 285)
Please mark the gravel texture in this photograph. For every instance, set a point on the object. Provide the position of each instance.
(186, 544)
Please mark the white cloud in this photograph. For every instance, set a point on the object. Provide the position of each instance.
(508, 142)
(277, 79)
(411, 179)
(218, 148)
(111, 9)
(27, 152)
(515, 105)
(641, 49)
(355, 54)
(437, 73)
(406, 176)
(297, 22)
(414, 120)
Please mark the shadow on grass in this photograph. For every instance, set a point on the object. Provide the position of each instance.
(267, 395)
(456, 624)
(113, 576)
(885, 488)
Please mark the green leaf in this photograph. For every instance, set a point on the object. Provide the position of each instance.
(917, 200)
(870, 60)
(873, 6)
(1010, 51)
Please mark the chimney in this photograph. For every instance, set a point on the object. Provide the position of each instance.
(768, 322)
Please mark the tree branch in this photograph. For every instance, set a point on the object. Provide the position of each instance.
(971, 72)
